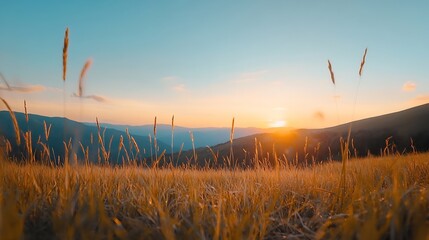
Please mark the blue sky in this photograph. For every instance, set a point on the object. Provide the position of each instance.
(262, 62)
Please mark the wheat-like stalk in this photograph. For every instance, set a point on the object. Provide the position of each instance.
(136, 146)
(231, 135)
(25, 110)
(363, 62)
(193, 146)
(154, 139)
(154, 127)
(331, 72)
(65, 52)
(85, 68)
(15, 122)
(172, 138)
(47, 130)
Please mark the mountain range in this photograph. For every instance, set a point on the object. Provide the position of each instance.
(77, 136)
(182, 135)
(395, 133)
(404, 131)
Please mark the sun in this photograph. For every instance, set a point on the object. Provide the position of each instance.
(278, 124)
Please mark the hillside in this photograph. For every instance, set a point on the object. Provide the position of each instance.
(63, 129)
(302, 146)
(320, 145)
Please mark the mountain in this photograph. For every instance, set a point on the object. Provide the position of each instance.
(78, 134)
(202, 136)
(399, 132)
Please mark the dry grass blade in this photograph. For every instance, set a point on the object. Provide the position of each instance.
(65, 51)
(331, 72)
(363, 62)
(26, 113)
(193, 146)
(15, 122)
(154, 127)
(172, 138)
(97, 123)
(85, 69)
(47, 130)
(231, 136)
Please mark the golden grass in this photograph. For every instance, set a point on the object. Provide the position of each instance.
(25, 111)
(363, 62)
(65, 53)
(331, 72)
(85, 69)
(15, 122)
(172, 139)
(385, 198)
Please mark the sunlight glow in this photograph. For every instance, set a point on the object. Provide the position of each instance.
(278, 123)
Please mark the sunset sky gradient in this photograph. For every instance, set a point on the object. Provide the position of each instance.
(262, 62)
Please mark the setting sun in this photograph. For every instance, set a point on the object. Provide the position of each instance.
(278, 124)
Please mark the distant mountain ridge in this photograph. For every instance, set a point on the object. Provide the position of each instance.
(63, 129)
(406, 131)
(403, 131)
(202, 136)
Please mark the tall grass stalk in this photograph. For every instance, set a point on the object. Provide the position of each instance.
(172, 139)
(65, 57)
(231, 139)
(14, 121)
(345, 153)
(65, 53)
(193, 147)
(154, 139)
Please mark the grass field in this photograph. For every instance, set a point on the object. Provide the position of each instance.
(383, 198)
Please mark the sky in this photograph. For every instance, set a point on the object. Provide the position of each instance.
(263, 63)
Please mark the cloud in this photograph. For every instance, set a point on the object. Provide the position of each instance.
(179, 87)
(24, 88)
(409, 87)
(421, 99)
(319, 115)
(54, 89)
(250, 76)
(93, 97)
(174, 83)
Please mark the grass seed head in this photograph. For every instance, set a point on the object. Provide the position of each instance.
(85, 69)
(331, 72)
(15, 122)
(65, 52)
(363, 62)
(26, 113)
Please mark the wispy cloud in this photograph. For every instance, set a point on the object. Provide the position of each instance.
(409, 87)
(174, 83)
(247, 77)
(24, 88)
(421, 99)
(93, 97)
(179, 87)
